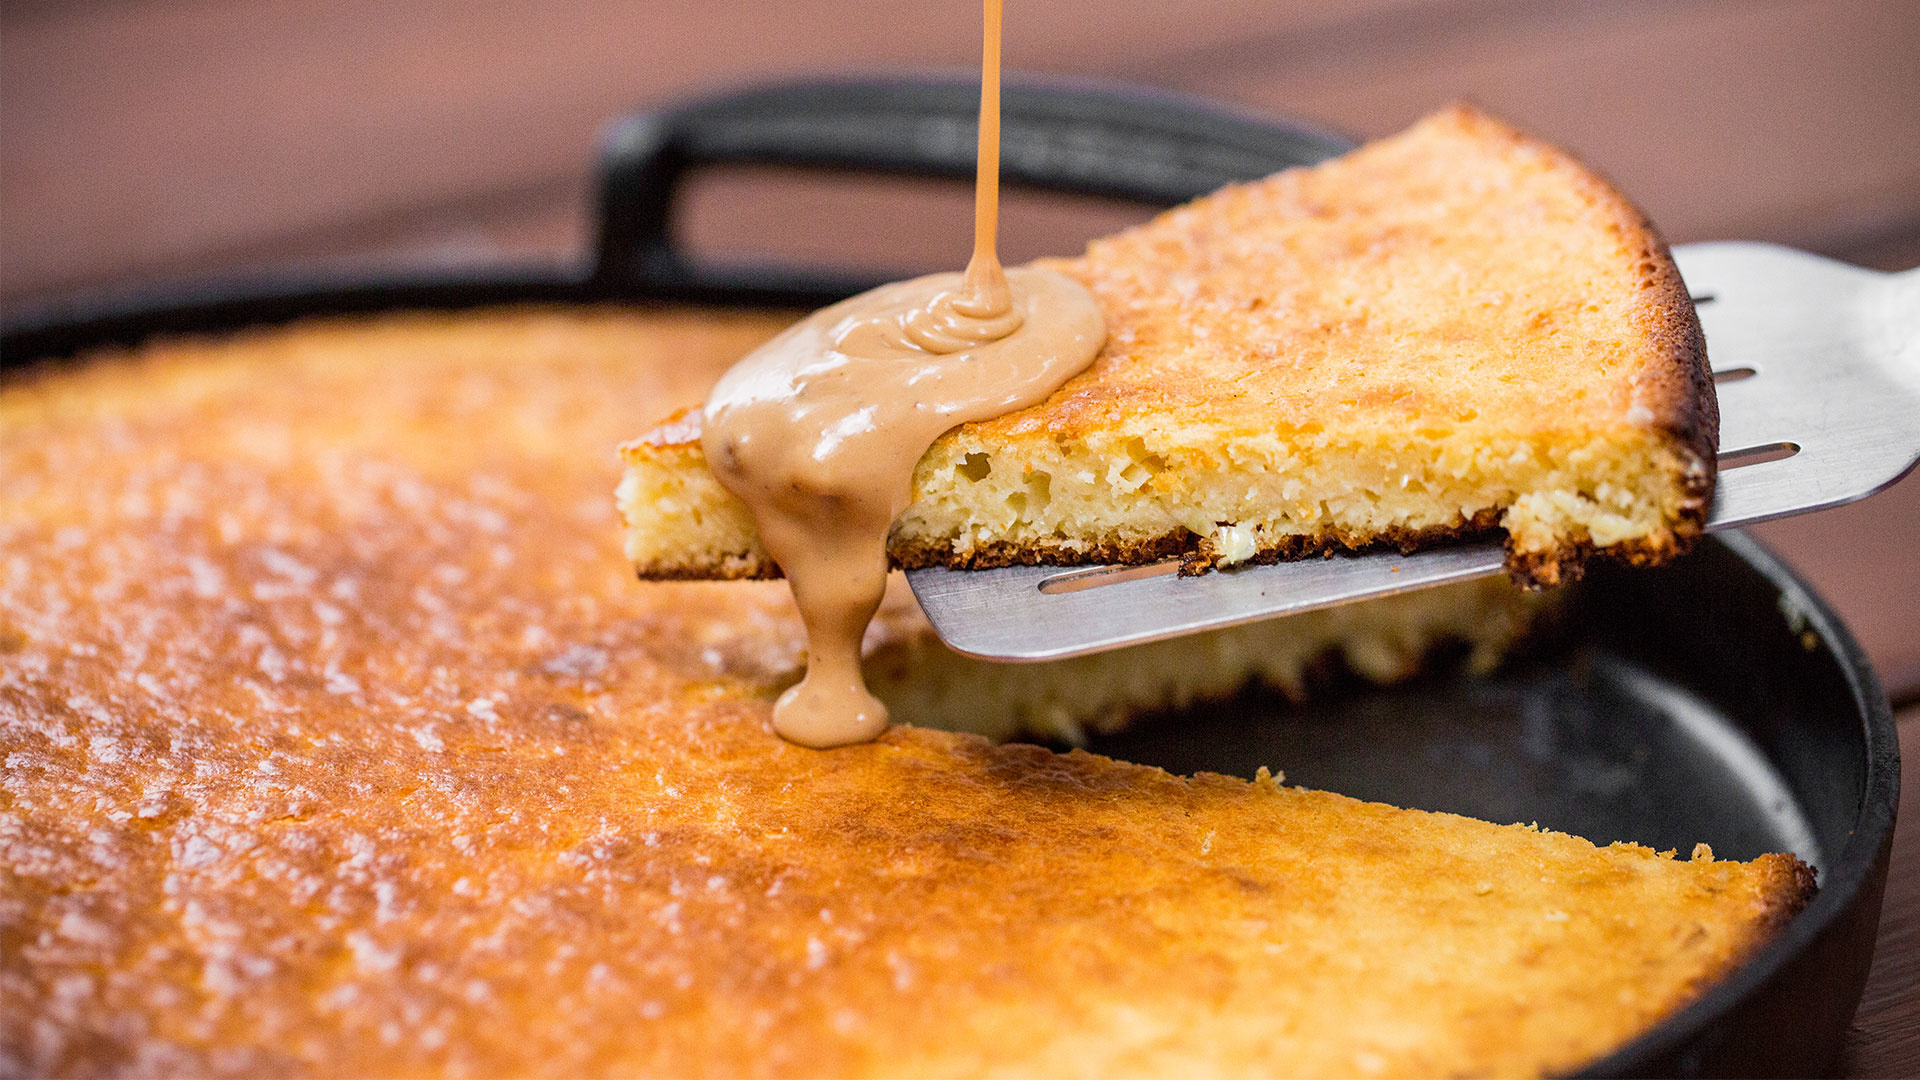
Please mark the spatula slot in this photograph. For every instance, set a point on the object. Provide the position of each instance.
(1093, 577)
(1757, 455)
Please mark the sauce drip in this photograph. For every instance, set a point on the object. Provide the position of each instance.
(818, 431)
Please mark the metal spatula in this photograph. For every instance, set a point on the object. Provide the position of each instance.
(1817, 366)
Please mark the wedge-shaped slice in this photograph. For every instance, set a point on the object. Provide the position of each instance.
(1455, 330)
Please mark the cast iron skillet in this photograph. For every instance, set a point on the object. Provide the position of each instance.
(1715, 700)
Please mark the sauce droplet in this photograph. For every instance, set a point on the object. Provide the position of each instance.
(818, 431)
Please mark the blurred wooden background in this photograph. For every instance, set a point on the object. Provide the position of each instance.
(147, 139)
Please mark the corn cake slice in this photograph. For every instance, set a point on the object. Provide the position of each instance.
(1457, 330)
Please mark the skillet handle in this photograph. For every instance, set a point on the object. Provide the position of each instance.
(1095, 140)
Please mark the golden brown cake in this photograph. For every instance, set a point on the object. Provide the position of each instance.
(1457, 330)
(338, 740)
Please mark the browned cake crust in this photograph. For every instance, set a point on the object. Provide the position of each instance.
(339, 741)
(1458, 301)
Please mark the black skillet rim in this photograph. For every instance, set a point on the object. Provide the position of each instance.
(636, 263)
(1853, 875)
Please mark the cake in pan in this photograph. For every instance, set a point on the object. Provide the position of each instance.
(340, 741)
(1458, 330)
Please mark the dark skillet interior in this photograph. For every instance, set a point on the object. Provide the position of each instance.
(1640, 717)
(1714, 700)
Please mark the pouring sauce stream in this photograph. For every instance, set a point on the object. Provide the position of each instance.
(818, 431)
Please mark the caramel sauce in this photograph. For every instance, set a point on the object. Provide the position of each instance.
(819, 430)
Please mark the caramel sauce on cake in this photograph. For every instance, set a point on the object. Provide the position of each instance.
(818, 431)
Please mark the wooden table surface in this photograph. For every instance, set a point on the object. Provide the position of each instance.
(146, 139)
